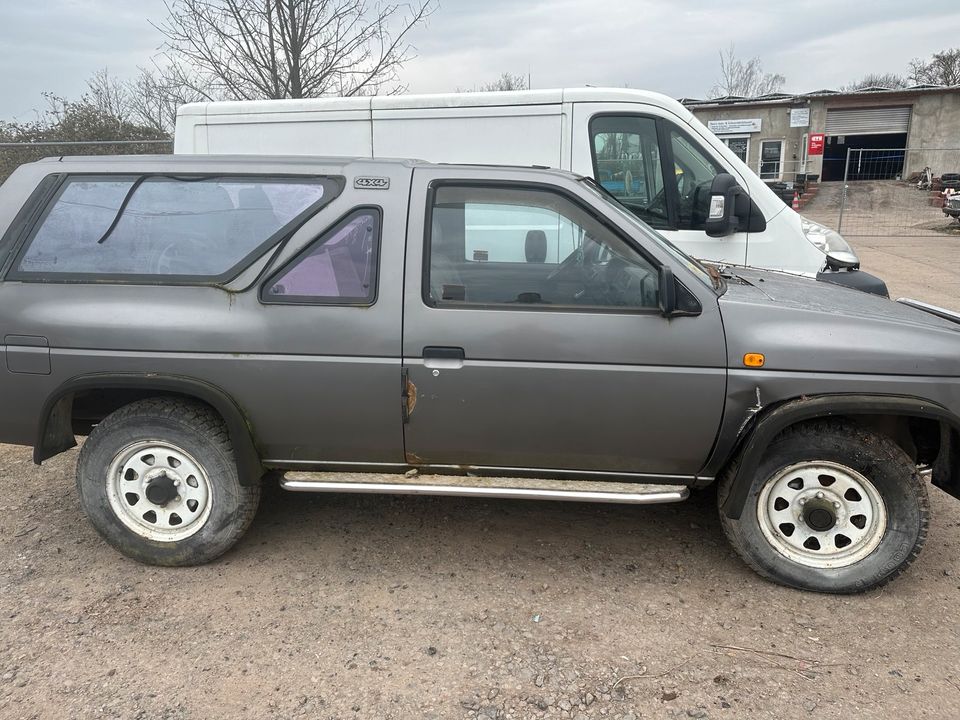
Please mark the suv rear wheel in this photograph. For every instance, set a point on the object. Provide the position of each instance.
(158, 480)
(833, 508)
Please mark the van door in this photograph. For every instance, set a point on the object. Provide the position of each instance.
(533, 339)
(657, 169)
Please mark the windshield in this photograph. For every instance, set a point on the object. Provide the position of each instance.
(710, 279)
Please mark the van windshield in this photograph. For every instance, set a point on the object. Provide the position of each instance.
(710, 279)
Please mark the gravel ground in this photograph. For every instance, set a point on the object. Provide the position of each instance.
(338, 606)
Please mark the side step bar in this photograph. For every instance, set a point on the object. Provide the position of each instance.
(465, 486)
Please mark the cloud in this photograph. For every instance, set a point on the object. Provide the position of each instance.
(57, 44)
(665, 45)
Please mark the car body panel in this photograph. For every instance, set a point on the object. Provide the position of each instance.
(560, 389)
(545, 391)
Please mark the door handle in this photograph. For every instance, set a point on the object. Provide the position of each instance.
(443, 358)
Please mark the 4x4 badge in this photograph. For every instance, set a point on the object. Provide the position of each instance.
(371, 183)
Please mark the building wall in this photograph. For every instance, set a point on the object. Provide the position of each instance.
(774, 125)
(934, 137)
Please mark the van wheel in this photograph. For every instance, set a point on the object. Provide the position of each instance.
(158, 480)
(833, 508)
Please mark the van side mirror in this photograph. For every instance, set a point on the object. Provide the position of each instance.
(728, 203)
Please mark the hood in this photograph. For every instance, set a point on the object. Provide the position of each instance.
(805, 325)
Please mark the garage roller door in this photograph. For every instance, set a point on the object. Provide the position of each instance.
(873, 121)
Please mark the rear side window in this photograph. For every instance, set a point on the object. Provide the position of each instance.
(339, 267)
(191, 227)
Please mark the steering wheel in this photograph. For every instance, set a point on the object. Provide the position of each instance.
(621, 287)
(170, 258)
(573, 261)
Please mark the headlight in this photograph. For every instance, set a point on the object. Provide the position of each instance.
(831, 243)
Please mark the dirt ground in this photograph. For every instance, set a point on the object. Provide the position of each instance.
(348, 607)
(879, 207)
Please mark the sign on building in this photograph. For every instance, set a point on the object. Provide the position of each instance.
(734, 127)
(800, 117)
(815, 144)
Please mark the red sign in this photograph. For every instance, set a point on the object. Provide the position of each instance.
(815, 144)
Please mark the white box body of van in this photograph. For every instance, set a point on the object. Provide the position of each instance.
(538, 127)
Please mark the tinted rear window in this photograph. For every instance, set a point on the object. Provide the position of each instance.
(166, 226)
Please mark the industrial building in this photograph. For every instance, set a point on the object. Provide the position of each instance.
(780, 135)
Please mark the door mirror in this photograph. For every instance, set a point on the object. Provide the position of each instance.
(674, 298)
(668, 291)
(728, 206)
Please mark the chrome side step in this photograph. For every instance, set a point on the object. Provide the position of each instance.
(494, 487)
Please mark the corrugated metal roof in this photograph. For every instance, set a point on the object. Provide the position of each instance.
(781, 98)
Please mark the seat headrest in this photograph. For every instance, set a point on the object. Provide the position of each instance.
(253, 198)
(535, 246)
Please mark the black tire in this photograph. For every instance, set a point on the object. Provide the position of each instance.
(200, 434)
(876, 458)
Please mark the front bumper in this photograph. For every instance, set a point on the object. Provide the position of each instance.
(856, 279)
(951, 211)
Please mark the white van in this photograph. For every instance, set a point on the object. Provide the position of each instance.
(645, 148)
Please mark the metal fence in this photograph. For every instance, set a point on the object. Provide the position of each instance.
(14, 154)
(889, 192)
(898, 192)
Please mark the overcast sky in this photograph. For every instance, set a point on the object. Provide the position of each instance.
(665, 45)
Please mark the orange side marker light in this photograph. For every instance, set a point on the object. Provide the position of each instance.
(753, 360)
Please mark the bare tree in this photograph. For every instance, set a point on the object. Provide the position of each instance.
(883, 80)
(941, 69)
(744, 78)
(249, 49)
(109, 95)
(507, 81)
(156, 93)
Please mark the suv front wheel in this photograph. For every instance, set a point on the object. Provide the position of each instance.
(833, 508)
(158, 480)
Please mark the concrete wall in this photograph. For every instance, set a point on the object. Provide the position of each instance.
(934, 137)
(935, 124)
(774, 125)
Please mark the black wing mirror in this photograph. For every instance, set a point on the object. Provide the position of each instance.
(675, 299)
(668, 291)
(728, 202)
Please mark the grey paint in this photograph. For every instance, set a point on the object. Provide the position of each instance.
(545, 392)
(597, 391)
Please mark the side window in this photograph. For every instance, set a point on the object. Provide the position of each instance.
(627, 162)
(525, 248)
(491, 231)
(199, 228)
(339, 267)
(693, 173)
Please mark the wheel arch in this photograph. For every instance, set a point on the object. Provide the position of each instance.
(888, 414)
(55, 429)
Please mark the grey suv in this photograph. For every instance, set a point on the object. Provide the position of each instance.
(491, 331)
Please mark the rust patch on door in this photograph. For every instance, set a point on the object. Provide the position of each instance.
(411, 397)
(413, 458)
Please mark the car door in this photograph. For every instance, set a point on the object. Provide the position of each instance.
(532, 337)
(658, 169)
